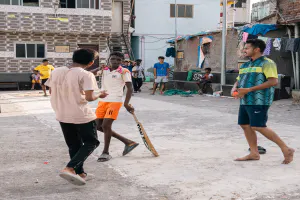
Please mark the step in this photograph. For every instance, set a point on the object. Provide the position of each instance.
(227, 90)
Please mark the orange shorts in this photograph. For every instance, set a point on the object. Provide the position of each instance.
(36, 81)
(108, 110)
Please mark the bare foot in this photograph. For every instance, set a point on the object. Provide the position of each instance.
(249, 157)
(288, 155)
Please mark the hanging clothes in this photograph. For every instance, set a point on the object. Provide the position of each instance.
(265, 39)
(201, 56)
(277, 44)
(245, 36)
(240, 52)
(251, 37)
(268, 47)
(297, 45)
(290, 45)
(283, 44)
(170, 52)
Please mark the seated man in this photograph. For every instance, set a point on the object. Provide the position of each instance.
(205, 80)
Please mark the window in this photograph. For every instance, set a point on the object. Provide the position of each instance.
(30, 50)
(240, 4)
(92, 4)
(183, 11)
(20, 2)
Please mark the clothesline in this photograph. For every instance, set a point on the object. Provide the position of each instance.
(283, 44)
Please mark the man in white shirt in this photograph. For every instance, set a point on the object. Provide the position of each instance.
(138, 76)
(114, 79)
(71, 88)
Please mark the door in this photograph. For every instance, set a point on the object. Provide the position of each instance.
(117, 17)
(94, 47)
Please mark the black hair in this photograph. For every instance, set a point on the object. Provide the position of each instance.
(208, 68)
(84, 56)
(161, 57)
(118, 54)
(45, 60)
(257, 43)
(139, 60)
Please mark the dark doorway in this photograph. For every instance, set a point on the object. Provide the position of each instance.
(94, 47)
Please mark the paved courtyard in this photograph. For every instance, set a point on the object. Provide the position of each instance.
(197, 139)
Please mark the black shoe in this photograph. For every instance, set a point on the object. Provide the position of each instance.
(261, 150)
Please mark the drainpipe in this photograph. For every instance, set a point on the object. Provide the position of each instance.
(293, 57)
(297, 58)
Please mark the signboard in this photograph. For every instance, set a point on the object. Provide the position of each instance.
(62, 49)
(180, 54)
(197, 76)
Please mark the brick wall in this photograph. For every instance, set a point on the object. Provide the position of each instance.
(213, 58)
(65, 26)
(46, 18)
(37, 22)
(290, 10)
(8, 62)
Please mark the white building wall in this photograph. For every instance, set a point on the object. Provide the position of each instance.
(154, 23)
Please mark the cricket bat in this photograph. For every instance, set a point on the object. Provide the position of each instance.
(145, 137)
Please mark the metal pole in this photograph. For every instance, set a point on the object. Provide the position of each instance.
(175, 63)
(224, 23)
(234, 12)
(297, 59)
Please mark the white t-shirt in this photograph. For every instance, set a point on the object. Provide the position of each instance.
(67, 94)
(113, 83)
(139, 70)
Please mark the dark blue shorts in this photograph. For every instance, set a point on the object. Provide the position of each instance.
(255, 116)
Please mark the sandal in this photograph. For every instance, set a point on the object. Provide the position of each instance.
(104, 157)
(129, 148)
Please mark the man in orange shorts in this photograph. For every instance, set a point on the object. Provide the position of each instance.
(113, 81)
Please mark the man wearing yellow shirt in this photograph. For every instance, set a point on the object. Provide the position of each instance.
(45, 71)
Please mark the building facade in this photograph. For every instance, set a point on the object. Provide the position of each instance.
(31, 30)
(263, 9)
(155, 24)
(238, 13)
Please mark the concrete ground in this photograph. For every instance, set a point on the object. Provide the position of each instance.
(197, 139)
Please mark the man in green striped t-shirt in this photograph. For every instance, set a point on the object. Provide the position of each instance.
(255, 86)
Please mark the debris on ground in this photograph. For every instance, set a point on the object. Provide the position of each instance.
(180, 92)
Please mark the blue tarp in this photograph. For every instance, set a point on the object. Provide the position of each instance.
(187, 37)
(261, 29)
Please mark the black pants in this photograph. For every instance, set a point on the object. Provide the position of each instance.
(137, 83)
(82, 140)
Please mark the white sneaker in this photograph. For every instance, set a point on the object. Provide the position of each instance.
(89, 177)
